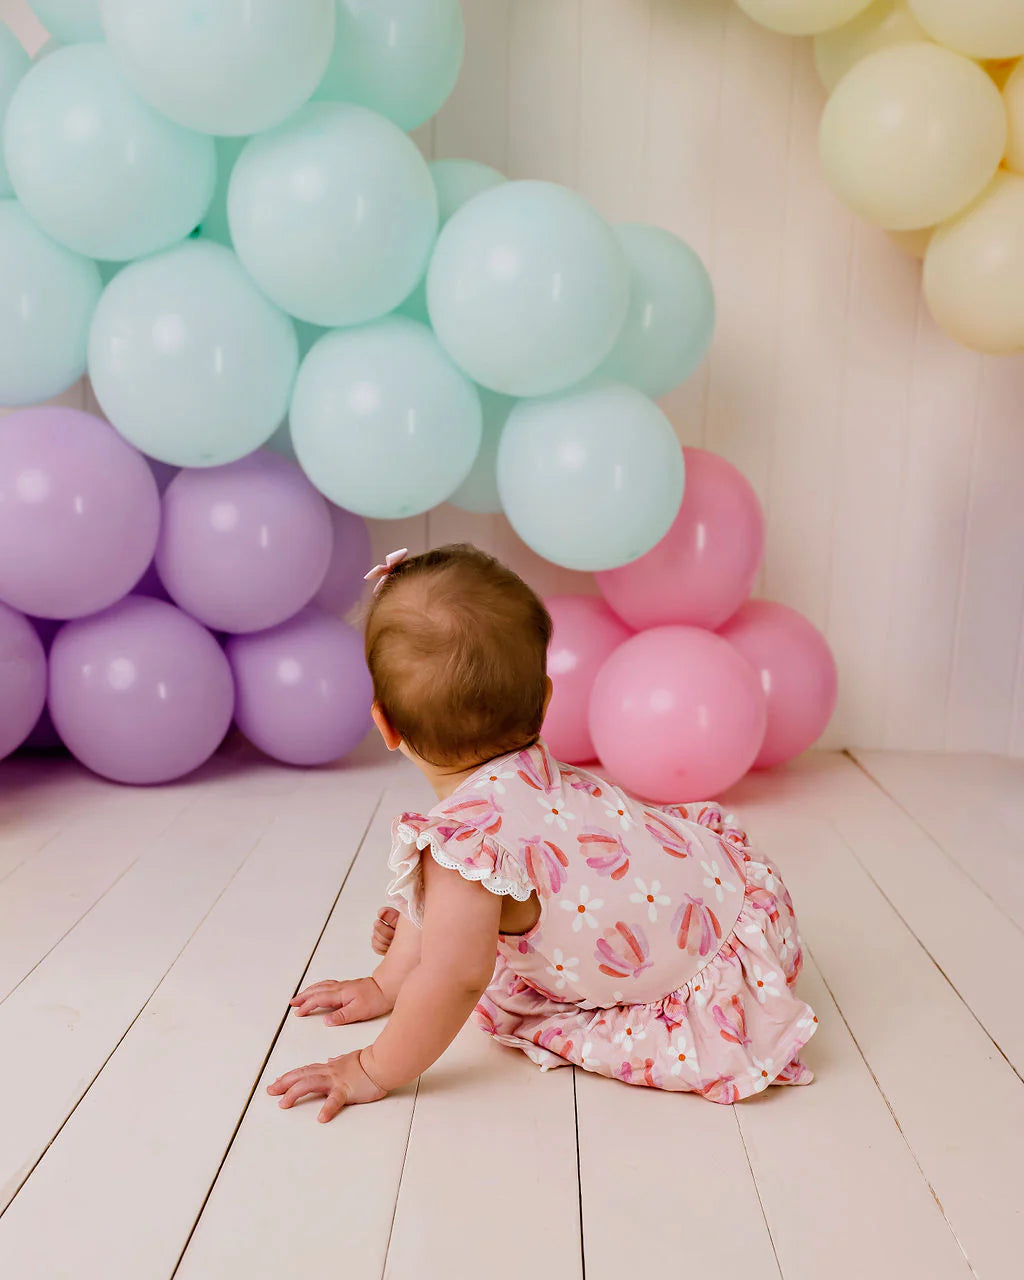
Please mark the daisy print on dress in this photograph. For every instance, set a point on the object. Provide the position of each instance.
(584, 909)
(696, 927)
(614, 807)
(682, 1056)
(555, 813)
(546, 865)
(623, 952)
(495, 780)
(713, 881)
(762, 1071)
(562, 969)
(673, 842)
(765, 983)
(630, 1034)
(651, 897)
(605, 852)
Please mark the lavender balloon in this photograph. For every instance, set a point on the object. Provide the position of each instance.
(140, 693)
(44, 737)
(243, 546)
(350, 559)
(22, 679)
(79, 513)
(303, 689)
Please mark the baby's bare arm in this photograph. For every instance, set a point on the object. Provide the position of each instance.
(403, 955)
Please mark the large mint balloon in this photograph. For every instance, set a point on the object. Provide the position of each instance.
(382, 421)
(592, 478)
(455, 182)
(399, 57)
(14, 62)
(222, 66)
(671, 313)
(214, 225)
(479, 491)
(528, 288)
(69, 21)
(47, 298)
(95, 166)
(333, 213)
(188, 359)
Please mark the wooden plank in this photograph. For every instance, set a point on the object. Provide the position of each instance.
(291, 1191)
(972, 807)
(71, 1011)
(129, 1171)
(957, 1101)
(493, 1139)
(473, 123)
(830, 1158)
(676, 1164)
(544, 90)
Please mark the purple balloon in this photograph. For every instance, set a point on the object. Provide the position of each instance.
(350, 559)
(44, 737)
(22, 679)
(150, 585)
(303, 689)
(163, 473)
(140, 693)
(243, 546)
(79, 513)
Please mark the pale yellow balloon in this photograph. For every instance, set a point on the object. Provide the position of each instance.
(802, 17)
(882, 23)
(974, 270)
(913, 243)
(979, 28)
(912, 134)
(1000, 69)
(1013, 96)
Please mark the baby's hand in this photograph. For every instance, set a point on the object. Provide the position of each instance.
(384, 930)
(356, 1001)
(342, 1079)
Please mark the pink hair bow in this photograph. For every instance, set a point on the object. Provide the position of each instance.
(381, 571)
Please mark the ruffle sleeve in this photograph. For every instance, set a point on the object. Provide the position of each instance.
(473, 853)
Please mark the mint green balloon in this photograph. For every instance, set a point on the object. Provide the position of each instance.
(479, 491)
(671, 315)
(214, 225)
(592, 478)
(382, 421)
(47, 298)
(398, 57)
(455, 182)
(527, 288)
(70, 21)
(333, 214)
(222, 66)
(188, 360)
(14, 62)
(96, 167)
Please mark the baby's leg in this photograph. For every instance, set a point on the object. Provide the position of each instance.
(384, 930)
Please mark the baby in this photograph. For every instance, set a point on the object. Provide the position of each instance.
(569, 919)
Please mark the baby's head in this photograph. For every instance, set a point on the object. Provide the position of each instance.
(457, 647)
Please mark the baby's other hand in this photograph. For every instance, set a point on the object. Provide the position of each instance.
(384, 930)
(355, 1001)
(341, 1079)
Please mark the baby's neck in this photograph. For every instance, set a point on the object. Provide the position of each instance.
(445, 778)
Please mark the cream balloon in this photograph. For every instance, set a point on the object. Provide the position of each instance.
(1013, 97)
(913, 243)
(979, 28)
(911, 135)
(974, 270)
(882, 23)
(802, 17)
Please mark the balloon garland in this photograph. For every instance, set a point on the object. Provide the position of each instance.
(923, 135)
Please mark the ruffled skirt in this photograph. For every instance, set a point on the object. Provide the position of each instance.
(735, 1028)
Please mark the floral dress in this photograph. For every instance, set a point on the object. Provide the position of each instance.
(666, 948)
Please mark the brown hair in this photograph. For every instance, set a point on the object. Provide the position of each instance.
(457, 646)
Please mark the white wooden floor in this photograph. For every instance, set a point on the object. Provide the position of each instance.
(150, 941)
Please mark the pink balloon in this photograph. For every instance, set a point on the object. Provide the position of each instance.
(350, 559)
(140, 693)
(585, 633)
(677, 715)
(797, 673)
(22, 679)
(304, 692)
(243, 546)
(79, 513)
(704, 567)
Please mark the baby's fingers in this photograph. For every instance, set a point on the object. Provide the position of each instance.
(290, 1077)
(336, 1101)
(312, 989)
(311, 1082)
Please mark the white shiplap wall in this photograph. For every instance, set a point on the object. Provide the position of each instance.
(890, 461)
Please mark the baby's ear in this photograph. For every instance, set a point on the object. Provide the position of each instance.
(548, 688)
(392, 739)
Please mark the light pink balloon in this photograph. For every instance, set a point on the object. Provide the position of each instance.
(797, 673)
(585, 633)
(677, 715)
(704, 567)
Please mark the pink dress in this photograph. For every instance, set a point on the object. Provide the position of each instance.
(666, 948)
